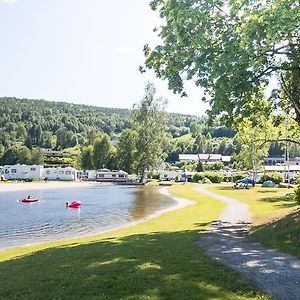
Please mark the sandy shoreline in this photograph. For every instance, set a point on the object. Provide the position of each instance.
(179, 203)
(24, 186)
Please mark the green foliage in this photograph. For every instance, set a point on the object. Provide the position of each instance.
(214, 177)
(155, 175)
(126, 150)
(149, 123)
(205, 180)
(211, 176)
(236, 177)
(87, 158)
(200, 167)
(297, 193)
(101, 151)
(22, 155)
(273, 176)
(37, 156)
(231, 49)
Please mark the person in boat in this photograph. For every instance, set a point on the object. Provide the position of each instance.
(67, 204)
(28, 197)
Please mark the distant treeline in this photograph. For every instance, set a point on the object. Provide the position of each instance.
(59, 125)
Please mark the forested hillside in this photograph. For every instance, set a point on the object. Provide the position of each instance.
(27, 125)
(60, 125)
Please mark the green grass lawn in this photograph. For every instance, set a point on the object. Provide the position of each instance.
(276, 220)
(156, 259)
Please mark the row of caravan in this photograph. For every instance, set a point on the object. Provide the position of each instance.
(33, 172)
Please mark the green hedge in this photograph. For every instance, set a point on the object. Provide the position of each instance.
(273, 176)
(213, 177)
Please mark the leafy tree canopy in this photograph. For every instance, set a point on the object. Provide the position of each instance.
(231, 48)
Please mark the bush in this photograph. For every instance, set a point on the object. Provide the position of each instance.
(205, 180)
(155, 176)
(198, 177)
(236, 177)
(214, 177)
(273, 176)
(297, 193)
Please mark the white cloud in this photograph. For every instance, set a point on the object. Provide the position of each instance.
(8, 1)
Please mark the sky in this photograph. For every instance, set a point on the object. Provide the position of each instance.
(82, 51)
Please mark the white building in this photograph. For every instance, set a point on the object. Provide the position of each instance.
(269, 161)
(205, 158)
(290, 171)
(67, 174)
(22, 172)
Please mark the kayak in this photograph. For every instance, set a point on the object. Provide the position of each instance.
(74, 204)
(29, 200)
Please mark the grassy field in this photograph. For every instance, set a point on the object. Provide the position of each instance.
(156, 259)
(276, 218)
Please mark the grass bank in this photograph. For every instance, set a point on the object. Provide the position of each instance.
(276, 218)
(157, 259)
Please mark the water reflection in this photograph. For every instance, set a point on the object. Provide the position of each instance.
(148, 200)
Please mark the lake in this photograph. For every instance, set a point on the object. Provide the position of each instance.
(103, 207)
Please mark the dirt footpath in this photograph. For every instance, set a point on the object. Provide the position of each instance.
(227, 240)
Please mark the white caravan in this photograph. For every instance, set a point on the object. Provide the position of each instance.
(22, 172)
(168, 175)
(66, 174)
(106, 175)
(92, 175)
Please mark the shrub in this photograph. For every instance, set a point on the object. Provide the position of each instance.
(205, 180)
(198, 177)
(237, 177)
(214, 177)
(273, 176)
(155, 176)
(297, 192)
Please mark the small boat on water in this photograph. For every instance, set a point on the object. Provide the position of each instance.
(73, 204)
(29, 199)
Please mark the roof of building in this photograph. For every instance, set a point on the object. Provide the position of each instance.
(282, 168)
(204, 156)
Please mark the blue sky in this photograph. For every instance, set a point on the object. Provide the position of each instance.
(82, 51)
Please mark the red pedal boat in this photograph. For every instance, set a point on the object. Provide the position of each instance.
(29, 200)
(74, 204)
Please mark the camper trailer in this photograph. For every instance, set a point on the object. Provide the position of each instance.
(106, 175)
(92, 175)
(22, 172)
(168, 175)
(65, 174)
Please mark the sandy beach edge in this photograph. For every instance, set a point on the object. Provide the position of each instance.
(179, 203)
(25, 186)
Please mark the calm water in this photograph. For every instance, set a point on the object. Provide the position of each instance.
(103, 207)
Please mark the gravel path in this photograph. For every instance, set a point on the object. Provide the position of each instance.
(227, 240)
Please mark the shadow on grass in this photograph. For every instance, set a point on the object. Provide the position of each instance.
(226, 188)
(283, 201)
(283, 234)
(146, 266)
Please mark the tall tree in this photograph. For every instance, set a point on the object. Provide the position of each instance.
(37, 156)
(126, 150)
(24, 155)
(87, 158)
(149, 123)
(231, 48)
(101, 151)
